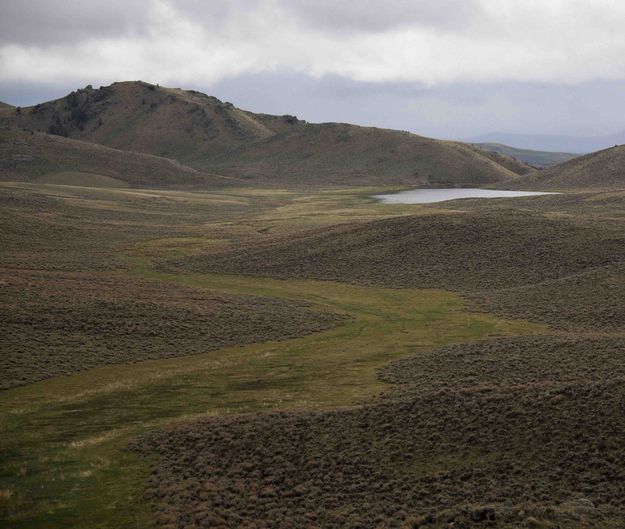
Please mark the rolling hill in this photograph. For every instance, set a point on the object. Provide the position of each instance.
(599, 170)
(47, 158)
(215, 136)
(146, 118)
(528, 156)
(339, 153)
(427, 251)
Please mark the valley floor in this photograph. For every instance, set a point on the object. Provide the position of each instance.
(262, 358)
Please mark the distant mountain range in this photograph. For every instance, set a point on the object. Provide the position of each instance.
(534, 158)
(549, 142)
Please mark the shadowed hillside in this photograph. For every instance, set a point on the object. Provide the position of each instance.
(603, 169)
(214, 136)
(53, 159)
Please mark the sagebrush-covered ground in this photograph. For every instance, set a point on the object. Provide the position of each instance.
(507, 431)
(59, 323)
(495, 434)
(510, 432)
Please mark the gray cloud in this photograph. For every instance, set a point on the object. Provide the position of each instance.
(212, 13)
(376, 16)
(451, 111)
(53, 22)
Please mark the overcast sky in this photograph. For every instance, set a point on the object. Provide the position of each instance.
(446, 68)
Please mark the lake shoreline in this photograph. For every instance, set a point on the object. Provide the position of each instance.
(433, 195)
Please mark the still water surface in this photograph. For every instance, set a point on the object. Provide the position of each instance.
(427, 196)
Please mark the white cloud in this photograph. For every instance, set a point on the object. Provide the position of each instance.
(426, 41)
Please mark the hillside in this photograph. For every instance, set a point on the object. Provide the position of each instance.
(48, 158)
(339, 153)
(528, 156)
(214, 136)
(137, 116)
(428, 251)
(599, 170)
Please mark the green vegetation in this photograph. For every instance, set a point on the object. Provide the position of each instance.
(63, 437)
(61, 325)
(63, 449)
(468, 456)
(464, 251)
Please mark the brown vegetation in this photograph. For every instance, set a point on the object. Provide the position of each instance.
(65, 307)
(540, 448)
(509, 432)
(342, 154)
(464, 251)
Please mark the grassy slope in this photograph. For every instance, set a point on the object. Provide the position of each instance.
(556, 259)
(503, 433)
(600, 170)
(78, 178)
(338, 153)
(464, 453)
(217, 137)
(482, 436)
(528, 156)
(64, 438)
(39, 156)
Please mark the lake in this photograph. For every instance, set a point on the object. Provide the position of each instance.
(428, 196)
